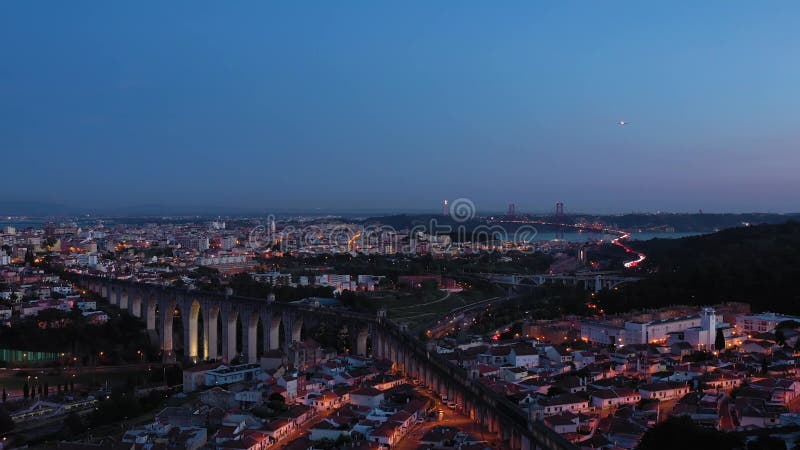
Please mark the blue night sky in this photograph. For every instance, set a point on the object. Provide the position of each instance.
(397, 105)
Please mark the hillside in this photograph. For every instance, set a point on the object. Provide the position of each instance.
(758, 264)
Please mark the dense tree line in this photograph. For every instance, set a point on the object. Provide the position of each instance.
(393, 266)
(70, 332)
(244, 285)
(759, 265)
(682, 432)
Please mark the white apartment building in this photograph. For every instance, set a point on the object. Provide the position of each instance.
(655, 331)
(761, 323)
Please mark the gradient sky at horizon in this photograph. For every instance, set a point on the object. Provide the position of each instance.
(398, 105)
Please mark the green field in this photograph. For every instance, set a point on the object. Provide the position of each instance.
(421, 309)
(13, 380)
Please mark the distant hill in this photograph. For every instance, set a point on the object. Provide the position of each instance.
(757, 264)
(696, 222)
(9, 208)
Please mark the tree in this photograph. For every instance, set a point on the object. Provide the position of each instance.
(765, 442)
(553, 391)
(719, 342)
(74, 423)
(29, 258)
(682, 432)
(276, 397)
(788, 324)
(780, 337)
(6, 423)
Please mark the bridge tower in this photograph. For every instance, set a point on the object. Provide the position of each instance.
(559, 219)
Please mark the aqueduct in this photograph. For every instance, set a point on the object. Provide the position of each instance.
(501, 418)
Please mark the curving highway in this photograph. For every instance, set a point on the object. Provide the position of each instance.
(639, 255)
(623, 235)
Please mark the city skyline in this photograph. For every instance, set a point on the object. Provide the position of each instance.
(393, 108)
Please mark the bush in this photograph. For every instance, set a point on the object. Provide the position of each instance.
(682, 432)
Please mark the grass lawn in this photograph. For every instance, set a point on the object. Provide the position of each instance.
(417, 312)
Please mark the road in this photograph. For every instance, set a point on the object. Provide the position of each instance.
(726, 422)
(417, 305)
(639, 256)
(623, 235)
(450, 418)
(306, 426)
(440, 329)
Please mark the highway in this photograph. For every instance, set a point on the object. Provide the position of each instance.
(623, 235)
(457, 315)
(639, 256)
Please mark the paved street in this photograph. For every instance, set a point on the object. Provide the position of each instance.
(449, 418)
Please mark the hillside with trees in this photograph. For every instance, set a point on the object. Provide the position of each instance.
(759, 265)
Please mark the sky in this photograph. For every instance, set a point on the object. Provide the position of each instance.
(397, 105)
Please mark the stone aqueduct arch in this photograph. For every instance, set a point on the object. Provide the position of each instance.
(498, 416)
(156, 305)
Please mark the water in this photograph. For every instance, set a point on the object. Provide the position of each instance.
(21, 224)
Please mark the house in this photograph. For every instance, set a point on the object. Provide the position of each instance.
(231, 374)
(535, 385)
(666, 390)
(86, 305)
(6, 312)
(583, 359)
(782, 390)
(485, 370)
(562, 423)
(195, 377)
(249, 398)
(755, 412)
(321, 400)
(367, 396)
(385, 434)
(247, 440)
(329, 429)
(514, 374)
(496, 356)
(557, 355)
(298, 414)
(290, 383)
(719, 382)
(572, 384)
(439, 436)
(96, 317)
(547, 406)
(524, 356)
(272, 359)
(219, 397)
(610, 398)
(625, 432)
(278, 429)
(189, 438)
(757, 346)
